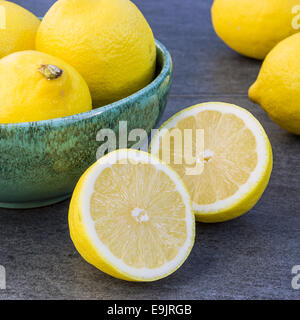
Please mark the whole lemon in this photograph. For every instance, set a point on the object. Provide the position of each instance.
(277, 88)
(17, 28)
(254, 27)
(108, 41)
(36, 86)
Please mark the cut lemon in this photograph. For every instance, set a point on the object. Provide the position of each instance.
(131, 216)
(236, 157)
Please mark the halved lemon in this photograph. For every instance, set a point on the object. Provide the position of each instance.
(131, 216)
(237, 159)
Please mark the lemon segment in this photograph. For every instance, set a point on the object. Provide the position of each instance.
(132, 220)
(237, 159)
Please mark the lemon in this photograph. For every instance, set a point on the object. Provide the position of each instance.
(277, 88)
(236, 158)
(17, 28)
(108, 41)
(36, 86)
(254, 27)
(131, 217)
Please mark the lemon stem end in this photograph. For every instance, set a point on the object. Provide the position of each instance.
(50, 71)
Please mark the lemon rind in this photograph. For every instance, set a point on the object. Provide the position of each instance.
(101, 256)
(227, 209)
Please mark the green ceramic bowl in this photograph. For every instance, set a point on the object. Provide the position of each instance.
(41, 162)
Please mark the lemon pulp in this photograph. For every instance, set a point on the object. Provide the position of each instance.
(237, 159)
(141, 235)
(134, 220)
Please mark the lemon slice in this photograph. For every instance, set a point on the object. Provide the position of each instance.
(237, 159)
(131, 216)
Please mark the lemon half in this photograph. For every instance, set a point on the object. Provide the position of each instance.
(132, 220)
(237, 159)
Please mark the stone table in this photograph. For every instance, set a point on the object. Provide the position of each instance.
(248, 258)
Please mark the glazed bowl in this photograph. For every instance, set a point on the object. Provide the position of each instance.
(41, 162)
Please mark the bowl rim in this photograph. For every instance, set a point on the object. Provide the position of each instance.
(165, 70)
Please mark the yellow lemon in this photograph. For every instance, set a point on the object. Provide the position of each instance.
(131, 217)
(254, 27)
(36, 86)
(277, 88)
(108, 41)
(236, 156)
(17, 28)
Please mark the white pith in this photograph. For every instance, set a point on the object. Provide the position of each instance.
(139, 214)
(208, 155)
(261, 149)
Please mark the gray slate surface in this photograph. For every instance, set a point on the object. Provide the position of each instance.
(247, 258)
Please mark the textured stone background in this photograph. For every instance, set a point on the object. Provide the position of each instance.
(247, 258)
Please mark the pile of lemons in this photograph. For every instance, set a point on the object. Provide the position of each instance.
(82, 54)
(132, 213)
(267, 29)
